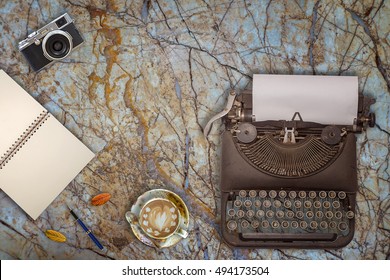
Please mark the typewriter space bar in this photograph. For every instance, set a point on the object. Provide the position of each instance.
(289, 236)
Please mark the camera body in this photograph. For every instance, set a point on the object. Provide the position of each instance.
(51, 43)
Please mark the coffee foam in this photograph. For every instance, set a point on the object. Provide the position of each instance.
(159, 218)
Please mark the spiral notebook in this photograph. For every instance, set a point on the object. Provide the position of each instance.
(39, 157)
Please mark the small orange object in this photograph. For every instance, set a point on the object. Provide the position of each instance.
(101, 199)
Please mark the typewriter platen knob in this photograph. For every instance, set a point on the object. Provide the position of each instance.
(246, 133)
(371, 119)
(367, 120)
(331, 135)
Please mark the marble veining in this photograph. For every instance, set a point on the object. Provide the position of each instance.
(142, 87)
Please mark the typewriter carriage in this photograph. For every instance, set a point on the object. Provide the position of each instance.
(294, 148)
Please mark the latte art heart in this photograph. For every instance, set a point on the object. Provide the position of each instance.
(159, 218)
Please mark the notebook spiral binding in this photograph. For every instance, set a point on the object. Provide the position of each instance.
(22, 139)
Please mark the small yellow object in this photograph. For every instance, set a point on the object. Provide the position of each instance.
(55, 235)
(100, 199)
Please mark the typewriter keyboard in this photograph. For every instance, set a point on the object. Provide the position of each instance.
(289, 215)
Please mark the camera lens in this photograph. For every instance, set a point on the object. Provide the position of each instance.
(61, 22)
(57, 45)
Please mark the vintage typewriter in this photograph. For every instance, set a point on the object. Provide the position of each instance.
(288, 183)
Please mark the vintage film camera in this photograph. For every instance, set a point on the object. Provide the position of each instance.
(53, 42)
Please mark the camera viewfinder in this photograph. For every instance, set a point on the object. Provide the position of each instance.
(61, 22)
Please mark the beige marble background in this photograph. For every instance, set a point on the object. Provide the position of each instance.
(150, 75)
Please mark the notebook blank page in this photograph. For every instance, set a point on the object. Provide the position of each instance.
(17, 111)
(43, 167)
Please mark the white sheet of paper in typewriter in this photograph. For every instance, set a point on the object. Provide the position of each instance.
(322, 99)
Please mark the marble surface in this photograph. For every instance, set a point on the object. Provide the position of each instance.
(150, 75)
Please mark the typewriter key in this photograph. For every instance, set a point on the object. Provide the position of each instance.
(317, 204)
(302, 194)
(292, 194)
(272, 194)
(322, 194)
(307, 204)
(263, 194)
(313, 225)
(324, 225)
(294, 224)
(319, 214)
(280, 214)
(297, 204)
(257, 203)
(329, 214)
(275, 224)
(242, 193)
(264, 224)
(240, 213)
(332, 225)
(244, 224)
(332, 194)
(343, 226)
(267, 204)
(303, 224)
(250, 213)
(282, 194)
(255, 224)
(299, 214)
(287, 203)
(309, 214)
(338, 215)
(277, 204)
(290, 214)
(285, 224)
(231, 212)
(270, 214)
(342, 195)
(252, 193)
(260, 213)
(336, 204)
(231, 225)
(350, 215)
(237, 203)
(247, 203)
(326, 204)
(312, 194)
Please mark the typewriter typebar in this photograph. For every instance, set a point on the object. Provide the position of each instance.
(289, 184)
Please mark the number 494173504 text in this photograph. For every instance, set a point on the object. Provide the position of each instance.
(241, 270)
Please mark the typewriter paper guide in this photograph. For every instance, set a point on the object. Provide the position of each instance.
(321, 99)
(46, 163)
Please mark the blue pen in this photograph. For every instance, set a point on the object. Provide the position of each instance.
(87, 231)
